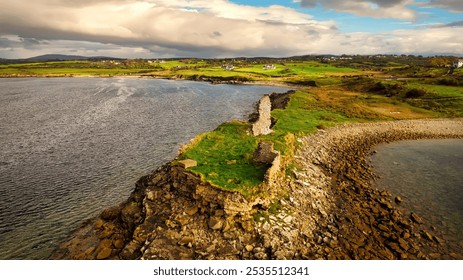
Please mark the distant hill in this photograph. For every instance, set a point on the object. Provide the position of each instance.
(57, 57)
(4, 60)
(63, 57)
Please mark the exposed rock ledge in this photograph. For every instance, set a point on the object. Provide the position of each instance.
(331, 210)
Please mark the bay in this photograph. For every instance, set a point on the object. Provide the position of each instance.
(71, 147)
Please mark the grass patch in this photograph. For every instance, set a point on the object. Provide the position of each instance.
(296, 72)
(418, 97)
(304, 114)
(447, 101)
(224, 157)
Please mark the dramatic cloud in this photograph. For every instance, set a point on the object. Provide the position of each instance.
(206, 28)
(202, 28)
(373, 8)
(422, 41)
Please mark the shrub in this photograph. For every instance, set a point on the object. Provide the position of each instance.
(377, 87)
(415, 93)
(448, 82)
(309, 83)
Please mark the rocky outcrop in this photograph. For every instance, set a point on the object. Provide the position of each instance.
(172, 214)
(280, 100)
(187, 163)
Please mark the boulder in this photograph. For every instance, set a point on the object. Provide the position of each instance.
(110, 213)
(130, 214)
(104, 254)
(188, 163)
(118, 243)
(415, 218)
(215, 223)
(186, 240)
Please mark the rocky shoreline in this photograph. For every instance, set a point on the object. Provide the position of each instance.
(329, 210)
(350, 217)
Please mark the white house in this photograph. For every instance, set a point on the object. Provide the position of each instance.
(228, 67)
(458, 63)
(269, 67)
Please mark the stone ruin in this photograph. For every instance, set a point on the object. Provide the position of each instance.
(264, 121)
(265, 154)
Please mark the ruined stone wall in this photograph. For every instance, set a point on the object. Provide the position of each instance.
(262, 127)
(264, 121)
(265, 154)
(272, 174)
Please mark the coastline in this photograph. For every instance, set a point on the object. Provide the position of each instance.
(205, 80)
(330, 210)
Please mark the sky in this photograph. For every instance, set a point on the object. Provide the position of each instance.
(229, 28)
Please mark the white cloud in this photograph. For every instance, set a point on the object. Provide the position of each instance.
(217, 27)
(226, 9)
(446, 39)
(373, 8)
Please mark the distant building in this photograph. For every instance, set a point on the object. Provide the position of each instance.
(458, 63)
(269, 67)
(228, 67)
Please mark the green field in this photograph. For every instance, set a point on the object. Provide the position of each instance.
(307, 69)
(186, 69)
(447, 100)
(72, 68)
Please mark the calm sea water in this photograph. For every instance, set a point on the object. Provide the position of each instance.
(71, 147)
(428, 175)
